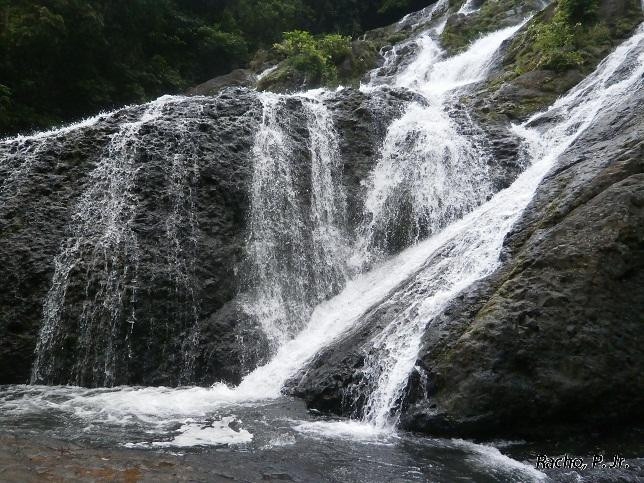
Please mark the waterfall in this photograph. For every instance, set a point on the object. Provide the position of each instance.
(103, 253)
(453, 156)
(328, 200)
(393, 55)
(103, 218)
(428, 174)
(26, 151)
(429, 199)
(440, 267)
(296, 246)
(182, 232)
(473, 245)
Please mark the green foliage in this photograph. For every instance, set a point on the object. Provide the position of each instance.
(555, 42)
(335, 47)
(556, 49)
(560, 42)
(578, 10)
(315, 57)
(64, 59)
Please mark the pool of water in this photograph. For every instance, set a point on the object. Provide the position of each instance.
(276, 439)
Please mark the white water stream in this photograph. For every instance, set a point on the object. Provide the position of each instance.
(102, 251)
(103, 218)
(428, 174)
(442, 177)
(444, 264)
(297, 253)
(469, 249)
(462, 253)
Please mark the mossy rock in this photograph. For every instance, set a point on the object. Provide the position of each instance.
(349, 71)
(521, 86)
(285, 78)
(461, 30)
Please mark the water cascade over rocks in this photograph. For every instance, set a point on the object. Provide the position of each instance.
(446, 178)
(296, 247)
(464, 252)
(429, 172)
(250, 241)
(474, 246)
(103, 242)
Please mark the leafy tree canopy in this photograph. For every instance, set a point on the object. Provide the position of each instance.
(65, 59)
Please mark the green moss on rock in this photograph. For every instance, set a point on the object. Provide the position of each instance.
(461, 30)
(552, 53)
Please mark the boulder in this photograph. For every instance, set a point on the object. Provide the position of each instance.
(181, 262)
(236, 78)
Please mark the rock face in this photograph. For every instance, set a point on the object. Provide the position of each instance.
(237, 78)
(554, 336)
(157, 214)
(41, 201)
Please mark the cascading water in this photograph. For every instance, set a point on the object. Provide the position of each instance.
(444, 264)
(102, 252)
(328, 200)
(28, 149)
(182, 233)
(436, 269)
(469, 249)
(429, 174)
(276, 223)
(297, 258)
(436, 199)
(394, 57)
(103, 219)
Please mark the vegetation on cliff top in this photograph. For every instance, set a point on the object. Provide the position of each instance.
(572, 34)
(553, 52)
(317, 57)
(64, 59)
(304, 60)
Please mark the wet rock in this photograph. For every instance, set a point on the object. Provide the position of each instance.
(554, 335)
(553, 338)
(362, 121)
(170, 297)
(190, 203)
(237, 78)
(230, 346)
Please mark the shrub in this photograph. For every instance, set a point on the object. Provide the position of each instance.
(316, 57)
(578, 10)
(336, 47)
(555, 42)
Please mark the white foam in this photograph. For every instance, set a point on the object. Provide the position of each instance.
(280, 441)
(349, 429)
(491, 459)
(431, 75)
(192, 434)
(88, 122)
(214, 434)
